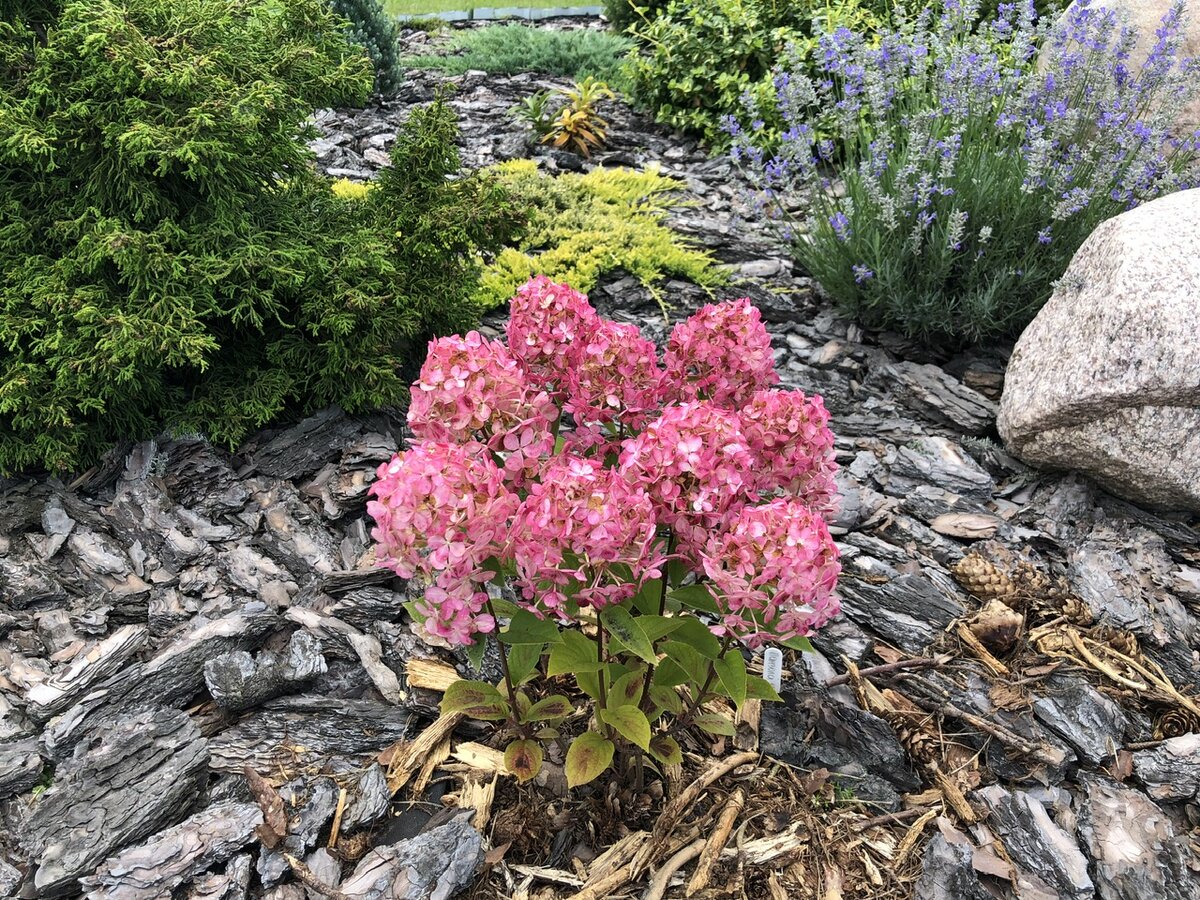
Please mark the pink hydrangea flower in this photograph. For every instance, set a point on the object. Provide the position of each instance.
(577, 525)
(472, 389)
(616, 384)
(442, 510)
(776, 562)
(721, 353)
(547, 324)
(788, 434)
(694, 463)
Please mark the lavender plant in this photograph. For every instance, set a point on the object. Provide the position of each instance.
(968, 161)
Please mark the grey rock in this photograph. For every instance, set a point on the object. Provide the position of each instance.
(170, 858)
(370, 801)
(1083, 717)
(947, 873)
(1135, 849)
(232, 884)
(434, 865)
(939, 397)
(939, 461)
(1047, 858)
(101, 661)
(326, 869)
(236, 680)
(1103, 380)
(1170, 771)
(322, 726)
(9, 879)
(20, 766)
(176, 673)
(909, 609)
(122, 784)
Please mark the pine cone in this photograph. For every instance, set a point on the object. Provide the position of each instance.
(1076, 612)
(982, 578)
(1029, 579)
(916, 742)
(1121, 641)
(1176, 722)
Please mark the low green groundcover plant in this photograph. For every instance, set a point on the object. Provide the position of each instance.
(509, 49)
(169, 258)
(583, 226)
(375, 30)
(962, 177)
(678, 517)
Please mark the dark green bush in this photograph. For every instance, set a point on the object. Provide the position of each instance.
(374, 29)
(698, 59)
(508, 49)
(169, 258)
(623, 13)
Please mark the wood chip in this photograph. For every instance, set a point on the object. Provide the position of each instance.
(971, 526)
(274, 827)
(747, 723)
(478, 796)
(408, 759)
(479, 757)
(430, 674)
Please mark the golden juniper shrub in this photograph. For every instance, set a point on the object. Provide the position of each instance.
(583, 226)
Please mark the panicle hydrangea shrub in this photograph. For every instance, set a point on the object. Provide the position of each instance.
(968, 161)
(678, 517)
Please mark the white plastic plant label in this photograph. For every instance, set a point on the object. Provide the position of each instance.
(773, 667)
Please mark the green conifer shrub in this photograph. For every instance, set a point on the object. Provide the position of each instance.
(378, 32)
(169, 257)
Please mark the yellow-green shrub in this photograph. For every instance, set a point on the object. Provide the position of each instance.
(583, 226)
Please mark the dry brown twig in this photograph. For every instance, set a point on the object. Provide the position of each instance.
(662, 878)
(917, 662)
(716, 843)
(674, 810)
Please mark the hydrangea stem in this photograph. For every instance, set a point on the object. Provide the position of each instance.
(600, 679)
(512, 693)
(712, 674)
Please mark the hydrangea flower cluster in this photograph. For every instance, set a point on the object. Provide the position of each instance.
(471, 389)
(694, 463)
(700, 460)
(442, 510)
(788, 435)
(616, 381)
(577, 523)
(722, 353)
(775, 567)
(548, 323)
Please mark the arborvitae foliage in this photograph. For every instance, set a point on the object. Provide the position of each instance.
(374, 29)
(169, 258)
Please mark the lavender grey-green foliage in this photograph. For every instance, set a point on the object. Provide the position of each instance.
(972, 171)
